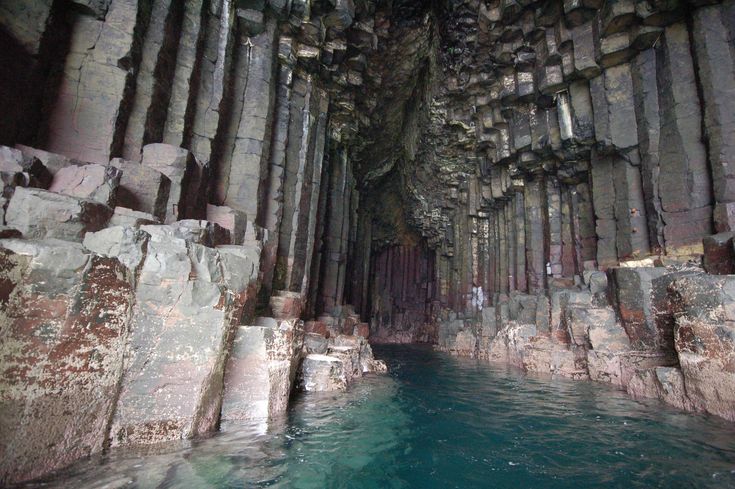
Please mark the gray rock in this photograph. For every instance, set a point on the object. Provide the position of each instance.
(94, 182)
(39, 214)
(142, 188)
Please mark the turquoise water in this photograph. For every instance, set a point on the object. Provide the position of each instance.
(439, 421)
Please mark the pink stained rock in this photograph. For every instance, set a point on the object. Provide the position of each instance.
(234, 221)
(286, 305)
(95, 182)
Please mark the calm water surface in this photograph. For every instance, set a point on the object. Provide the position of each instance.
(439, 421)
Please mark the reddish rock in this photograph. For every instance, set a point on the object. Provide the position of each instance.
(286, 305)
(705, 340)
(61, 351)
(719, 256)
(319, 327)
(633, 292)
(362, 329)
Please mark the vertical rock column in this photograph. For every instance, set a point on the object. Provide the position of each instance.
(62, 342)
(624, 229)
(185, 81)
(336, 231)
(713, 43)
(242, 169)
(272, 209)
(297, 185)
(685, 187)
(214, 78)
(152, 87)
(88, 119)
(535, 206)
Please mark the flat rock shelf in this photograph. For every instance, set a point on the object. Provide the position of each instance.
(441, 421)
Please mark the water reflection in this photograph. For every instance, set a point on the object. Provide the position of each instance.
(439, 421)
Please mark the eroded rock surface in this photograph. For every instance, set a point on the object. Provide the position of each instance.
(546, 184)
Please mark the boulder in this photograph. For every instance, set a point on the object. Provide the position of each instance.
(318, 327)
(14, 161)
(53, 162)
(705, 340)
(633, 292)
(126, 244)
(94, 182)
(142, 188)
(544, 355)
(8, 182)
(366, 360)
(172, 383)
(201, 232)
(315, 343)
(39, 214)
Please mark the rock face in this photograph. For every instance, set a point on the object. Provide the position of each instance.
(261, 370)
(545, 184)
(341, 360)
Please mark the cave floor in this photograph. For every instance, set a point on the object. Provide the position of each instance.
(441, 421)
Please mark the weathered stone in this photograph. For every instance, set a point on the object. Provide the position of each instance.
(665, 383)
(142, 189)
(716, 74)
(685, 188)
(39, 214)
(261, 370)
(719, 255)
(633, 290)
(57, 398)
(86, 122)
(201, 232)
(230, 219)
(122, 216)
(126, 244)
(94, 182)
(315, 343)
(704, 340)
(172, 384)
(188, 180)
(286, 305)
(14, 161)
(321, 373)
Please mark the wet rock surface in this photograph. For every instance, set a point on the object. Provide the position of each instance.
(206, 203)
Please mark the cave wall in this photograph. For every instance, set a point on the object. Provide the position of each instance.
(177, 194)
(194, 189)
(570, 177)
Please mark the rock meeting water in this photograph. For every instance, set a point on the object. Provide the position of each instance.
(440, 421)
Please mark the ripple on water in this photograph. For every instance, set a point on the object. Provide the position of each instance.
(439, 421)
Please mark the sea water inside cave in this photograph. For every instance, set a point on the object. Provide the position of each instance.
(439, 421)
